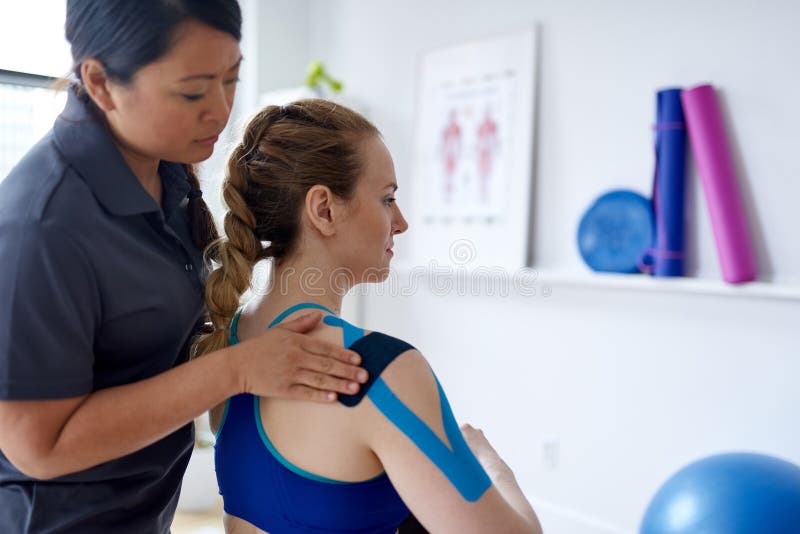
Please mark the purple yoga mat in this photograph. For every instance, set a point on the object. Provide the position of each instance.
(718, 176)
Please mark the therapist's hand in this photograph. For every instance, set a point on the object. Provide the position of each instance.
(285, 363)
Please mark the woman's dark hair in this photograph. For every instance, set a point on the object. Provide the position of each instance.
(126, 35)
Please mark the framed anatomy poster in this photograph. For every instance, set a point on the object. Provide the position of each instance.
(473, 152)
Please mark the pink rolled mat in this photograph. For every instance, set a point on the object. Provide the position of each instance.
(718, 176)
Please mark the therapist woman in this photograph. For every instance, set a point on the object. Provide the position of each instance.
(102, 228)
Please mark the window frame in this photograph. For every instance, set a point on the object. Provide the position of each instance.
(26, 79)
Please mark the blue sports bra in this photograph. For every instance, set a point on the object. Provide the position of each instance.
(262, 487)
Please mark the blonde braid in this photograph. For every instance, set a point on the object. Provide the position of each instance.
(284, 152)
(235, 254)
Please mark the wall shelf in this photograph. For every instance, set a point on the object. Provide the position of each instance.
(682, 285)
(544, 281)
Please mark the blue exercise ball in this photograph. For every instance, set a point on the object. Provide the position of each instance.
(734, 493)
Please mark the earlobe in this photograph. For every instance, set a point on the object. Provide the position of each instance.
(320, 209)
(96, 82)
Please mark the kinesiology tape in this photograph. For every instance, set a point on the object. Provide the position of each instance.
(456, 462)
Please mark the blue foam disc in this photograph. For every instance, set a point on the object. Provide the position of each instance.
(616, 232)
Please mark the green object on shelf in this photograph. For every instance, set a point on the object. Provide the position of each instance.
(317, 74)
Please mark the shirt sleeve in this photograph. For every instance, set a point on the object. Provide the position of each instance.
(50, 308)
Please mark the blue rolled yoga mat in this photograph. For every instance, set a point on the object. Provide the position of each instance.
(667, 255)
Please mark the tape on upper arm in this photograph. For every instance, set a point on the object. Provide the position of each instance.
(457, 463)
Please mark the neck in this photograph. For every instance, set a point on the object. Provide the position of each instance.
(295, 281)
(145, 168)
(146, 171)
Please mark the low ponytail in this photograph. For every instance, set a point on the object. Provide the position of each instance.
(201, 221)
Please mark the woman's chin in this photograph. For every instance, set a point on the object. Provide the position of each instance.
(375, 275)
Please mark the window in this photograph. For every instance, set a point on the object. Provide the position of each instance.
(28, 107)
(33, 53)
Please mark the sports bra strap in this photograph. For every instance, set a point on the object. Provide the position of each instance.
(378, 350)
(296, 307)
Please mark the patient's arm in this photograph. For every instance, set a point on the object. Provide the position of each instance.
(502, 476)
(449, 492)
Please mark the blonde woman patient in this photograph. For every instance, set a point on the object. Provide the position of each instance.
(312, 188)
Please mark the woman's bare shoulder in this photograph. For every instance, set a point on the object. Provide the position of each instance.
(410, 379)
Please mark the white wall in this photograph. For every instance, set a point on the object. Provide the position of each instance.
(275, 47)
(37, 28)
(600, 64)
(628, 384)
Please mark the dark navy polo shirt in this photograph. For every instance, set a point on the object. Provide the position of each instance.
(99, 286)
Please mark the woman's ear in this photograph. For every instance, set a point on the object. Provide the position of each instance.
(96, 82)
(322, 209)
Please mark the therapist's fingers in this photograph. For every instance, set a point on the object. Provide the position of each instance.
(326, 383)
(306, 323)
(288, 363)
(332, 359)
(327, 366)
(301, 392)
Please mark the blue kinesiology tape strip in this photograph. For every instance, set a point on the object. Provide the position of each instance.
(296, 307)
(351, 333)
(377, 351)
(459, 465)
